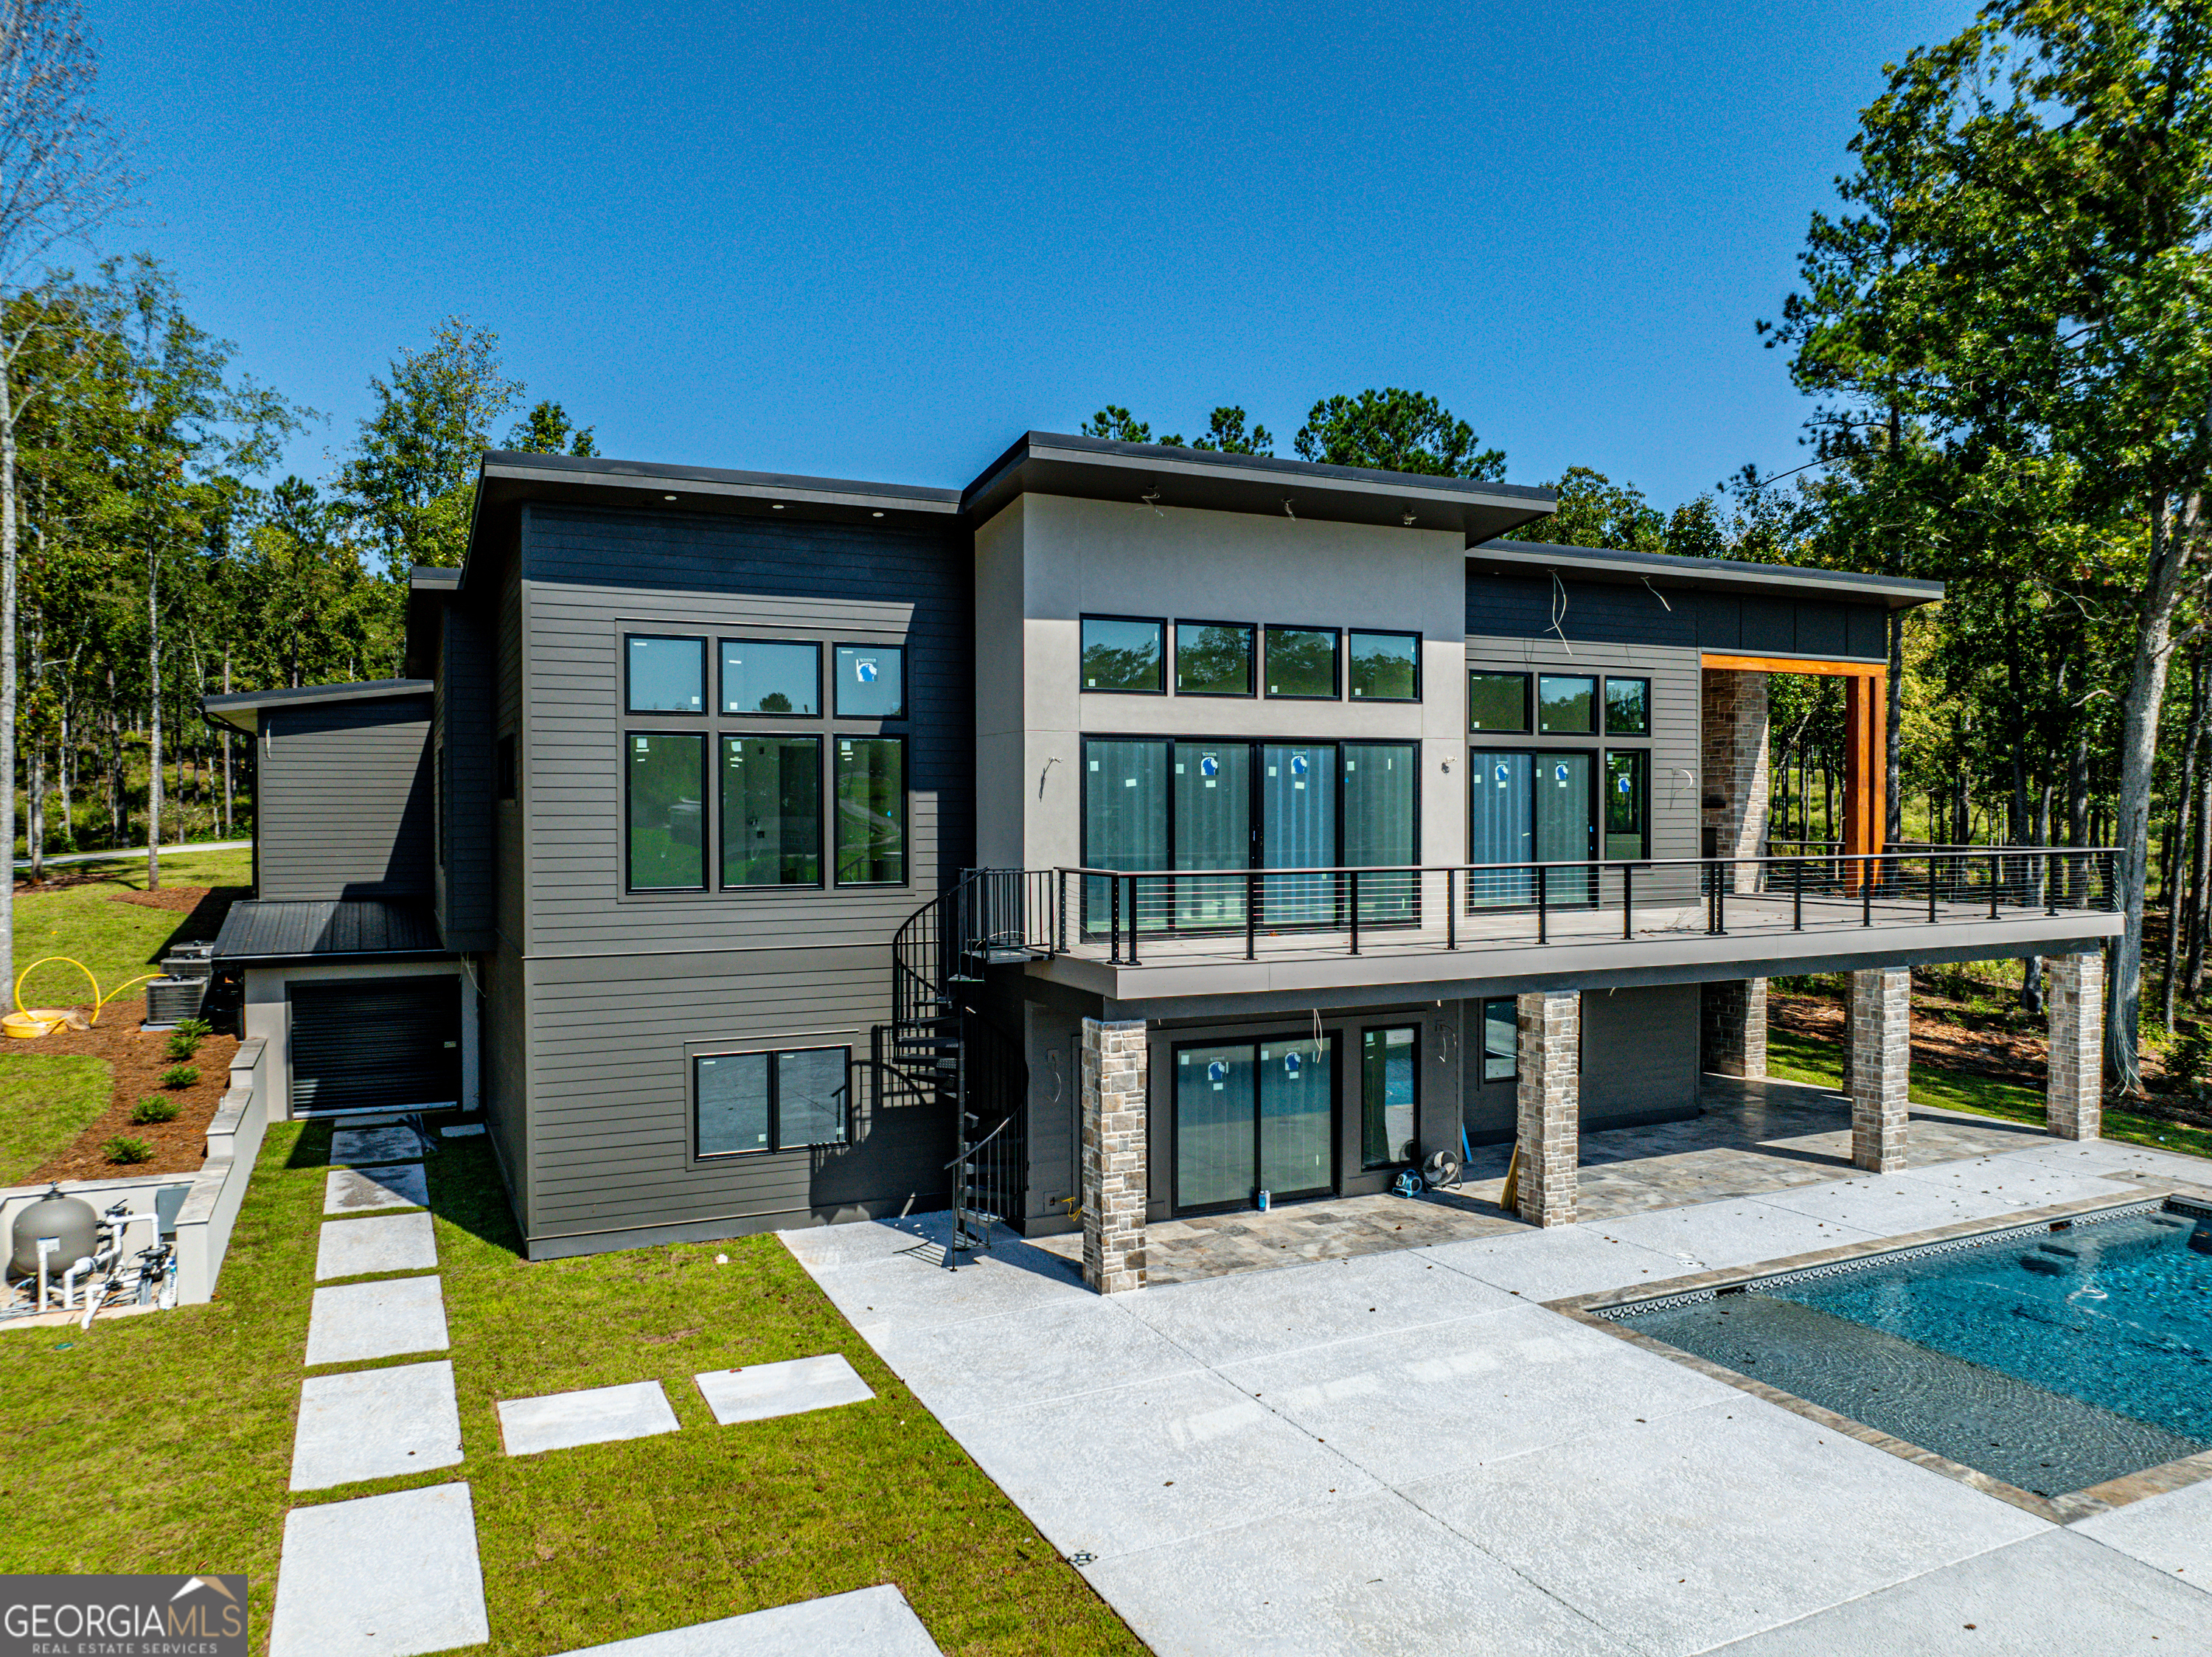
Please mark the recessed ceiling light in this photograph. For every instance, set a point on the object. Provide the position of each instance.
(880, 515)
(668, 497)
(778, 506)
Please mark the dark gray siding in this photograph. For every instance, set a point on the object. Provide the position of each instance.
(1639, 1063)
(465, 870)
(623, 989)
(1787, 627)
(344, 803)
(502, 1054)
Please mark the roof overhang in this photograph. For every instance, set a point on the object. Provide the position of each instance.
(1710, 574)
(242, 710)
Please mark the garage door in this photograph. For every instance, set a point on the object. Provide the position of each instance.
(375, 1044)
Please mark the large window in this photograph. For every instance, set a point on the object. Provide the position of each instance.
(762, 677)
(1627, 825)
(1252, 1116)
(1385, 666)
(1628, 707)
(665, 811)
(1501, 1039)
(870, 810)
(871, 681)
(1496, 702)
(1120, 654)
(1566, 704)
(1302, 663)
(745, 1103)
(1382, 826)
(771, 811)
(667, 675)
(1388, 1074)
(1213, 658)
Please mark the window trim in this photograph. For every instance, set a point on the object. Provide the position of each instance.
(905, 710)
(1336, 658)
(1351, 694)
(906, 815)
(1251, 630)
(721, 810)
(631, 712)
(1527, 702)
(1167, 671)
(829, 1041)
(1365, 1031)
(1597, 705)
(1605, 704)
(723, 710)
(705, 740)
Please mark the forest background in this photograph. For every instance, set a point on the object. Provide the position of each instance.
(2002, 331)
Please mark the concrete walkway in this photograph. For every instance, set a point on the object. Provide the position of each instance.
(1404, 1451)
(137, 851)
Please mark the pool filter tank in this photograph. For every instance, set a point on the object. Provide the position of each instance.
(70, 1219)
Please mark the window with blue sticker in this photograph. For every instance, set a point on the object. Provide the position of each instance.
(871, 682)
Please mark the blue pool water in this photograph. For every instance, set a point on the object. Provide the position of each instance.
(2053, 1361)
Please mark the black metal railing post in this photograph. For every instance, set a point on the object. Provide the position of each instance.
(1543, 915)
(1931, 887)
(1994, 867)
(1114, 919)
(1136, 917)
(1452, 909)
(1355, 911)
(1866, 891)
(1251, 915)
(1798, 895)
(1628, 902)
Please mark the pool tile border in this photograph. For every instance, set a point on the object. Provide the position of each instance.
(2059, 1510)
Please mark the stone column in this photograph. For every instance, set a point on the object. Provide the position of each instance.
(1736, 785)
(1115, 1184)
(1550, 1099)
(1880, 1037)
(2073, 1082)
(1732, 1027)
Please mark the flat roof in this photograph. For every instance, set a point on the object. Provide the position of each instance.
(256, 931)
(1718, 575)
(241, 710)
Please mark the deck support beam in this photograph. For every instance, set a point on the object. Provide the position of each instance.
(1116, 1065)
(1878, 1074)
(1550, 1101)
(2074, 1079)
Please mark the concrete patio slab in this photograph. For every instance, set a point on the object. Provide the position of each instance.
(1486, 1388)
(1684, 1532)
(876, 1240)
(1051, 1351)
(1371, 1575)
(594, 1415)
(1546, 1265)
(1223, 1320)
(2014, 1181)
(1136, 1466)
(356, 1322)
(384, 1242)
(423, 1593)
(2171, 1532)
(866, 1622)
(357, 1148)
(761, 1390)
(1890, 1205)
(2049, 1596)
(2111, 1159)
(356, 1191)
(1706, 1236)
(903, 1292)
(375, 1424)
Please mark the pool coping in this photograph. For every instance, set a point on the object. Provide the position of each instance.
(2064, 1509)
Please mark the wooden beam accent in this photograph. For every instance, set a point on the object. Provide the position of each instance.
(1865, 767)
(1790, 664)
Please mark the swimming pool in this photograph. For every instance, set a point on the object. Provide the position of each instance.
(2053, 1359)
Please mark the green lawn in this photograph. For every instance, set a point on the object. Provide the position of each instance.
(116, 941)
(180, 1425)
(1793, 1057)
(44, 1103)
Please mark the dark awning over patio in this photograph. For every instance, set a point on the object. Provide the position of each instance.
(355, 927)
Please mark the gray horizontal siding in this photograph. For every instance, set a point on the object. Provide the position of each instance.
(1639, 1065)
(344, 807)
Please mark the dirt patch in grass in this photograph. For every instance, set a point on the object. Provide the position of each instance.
(2011, 1056)
(136, 1058)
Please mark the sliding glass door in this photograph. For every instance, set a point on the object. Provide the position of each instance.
(1566, 823)
(1381, 830)
(1502, 829)
(1252, 1116)
(1297, 820)
(1125, 824)
(1213, 829)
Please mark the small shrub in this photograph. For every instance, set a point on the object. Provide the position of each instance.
(179, 1076)
(197, 1029)
(127, 1151)
(155, 1108)
(182, 1045)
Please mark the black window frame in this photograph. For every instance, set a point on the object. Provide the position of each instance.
(1365, 1031)
(721, 826)
(1528, 727)
(1605, 702)
(723, 710)
(831, 712)
(1330, 1038)
(705, 739)
(1605, 792)
(1482, 1013)
(1251, 631)
(906, 815)
(775, 1147)
(1351, 694)
(1596, 682)
(1336, 658)
(1167, 669)
(701, 640)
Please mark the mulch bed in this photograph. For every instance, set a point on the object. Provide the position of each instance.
(138, 1058)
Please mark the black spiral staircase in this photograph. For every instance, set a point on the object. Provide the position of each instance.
(943, 1049)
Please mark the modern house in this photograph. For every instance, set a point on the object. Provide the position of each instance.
(1139, 829)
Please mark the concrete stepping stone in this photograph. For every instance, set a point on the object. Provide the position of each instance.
(764, 1390)
(375, 1424)
(356, 1322)
(356, 1191)
(596, 1415)
(866, 1622)
(386, 1242)
(359, 1146)
(381, 1577)
(465, 1131)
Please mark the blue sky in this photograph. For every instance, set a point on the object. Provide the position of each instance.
(881, 242)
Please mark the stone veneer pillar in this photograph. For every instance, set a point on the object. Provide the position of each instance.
(1550, 1099)
(1732, 1027)
(1737, 782)
(2074, 1081)
(1115, 1184)
(1881, 1038)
